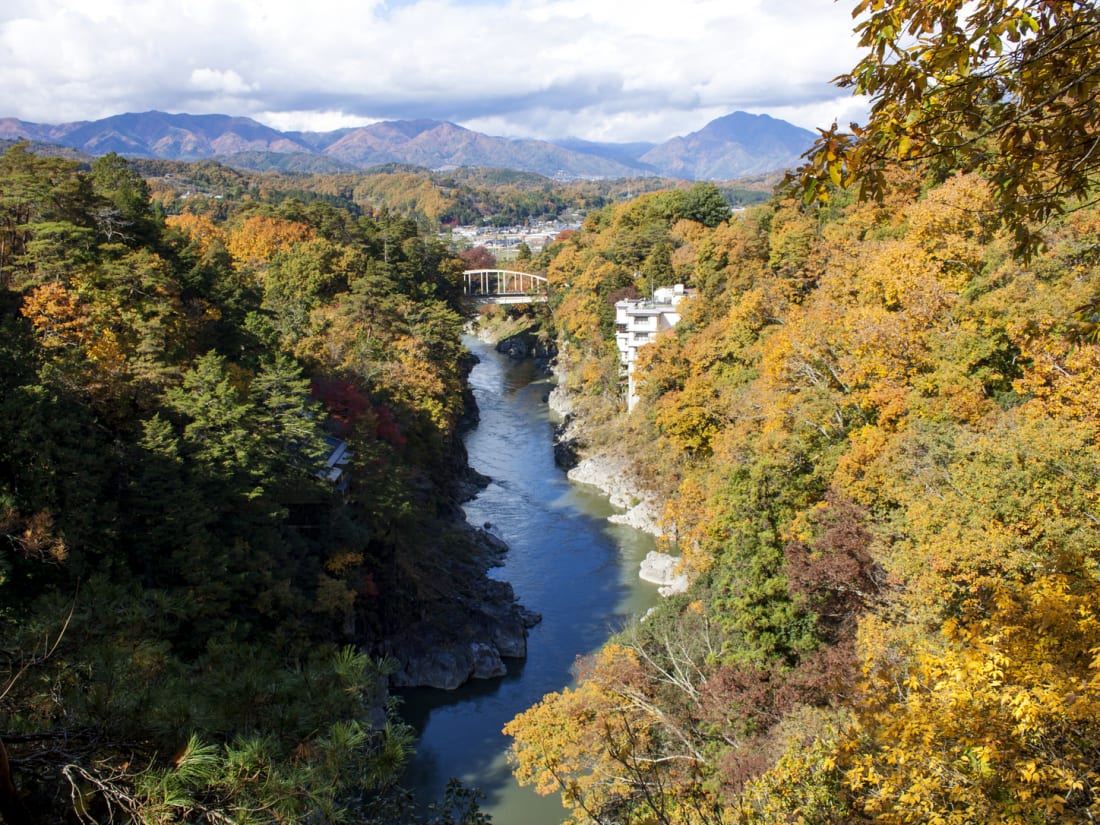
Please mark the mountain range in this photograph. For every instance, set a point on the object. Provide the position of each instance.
(737, 145)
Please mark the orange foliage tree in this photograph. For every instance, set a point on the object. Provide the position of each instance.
(259, 237)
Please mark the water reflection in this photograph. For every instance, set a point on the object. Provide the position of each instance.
(566, 562)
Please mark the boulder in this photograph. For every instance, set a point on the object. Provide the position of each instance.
(613, 476)
(660, 568)
(486, 662)
(442, 668)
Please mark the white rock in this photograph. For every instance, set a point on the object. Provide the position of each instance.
(679, 585)
(612, 476)
(560, 402)
(661, 568)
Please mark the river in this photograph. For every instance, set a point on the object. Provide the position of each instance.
(566, 562)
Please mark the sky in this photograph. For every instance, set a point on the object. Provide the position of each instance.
(604, 70)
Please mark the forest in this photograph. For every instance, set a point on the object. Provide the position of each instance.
(435, 200)
(193, 594)
(875, 430)
(199, 608)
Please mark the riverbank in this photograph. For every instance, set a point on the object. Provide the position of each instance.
(612, 474)
(472, 628)
(616, 477)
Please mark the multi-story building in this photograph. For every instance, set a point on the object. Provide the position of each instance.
(639, 322)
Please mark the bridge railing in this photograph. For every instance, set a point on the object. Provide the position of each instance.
(496, 284)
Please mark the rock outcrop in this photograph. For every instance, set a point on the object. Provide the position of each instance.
(661, 568)
(612, 475)
(568, 437)
(466, 635)
(528, 344)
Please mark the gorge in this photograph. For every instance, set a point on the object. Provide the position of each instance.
(566, 562)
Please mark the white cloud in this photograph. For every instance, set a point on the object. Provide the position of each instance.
(843, 109)
(593, 68)
(311, 121)
(224, 82)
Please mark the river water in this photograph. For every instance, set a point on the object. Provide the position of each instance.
(566, 562)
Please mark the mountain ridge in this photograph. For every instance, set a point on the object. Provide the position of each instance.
(733, 146)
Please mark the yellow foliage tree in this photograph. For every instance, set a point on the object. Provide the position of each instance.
(199, 228)
(57, 315)
(566, 743)
(995, 721)
(259, 237)
(609, 749)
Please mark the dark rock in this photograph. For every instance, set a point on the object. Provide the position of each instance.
(565, 454)
(529, 617)
(494, 545)
(467, 634)
(444, 668)
(486, 661)
(528, 344)
(566, 449)
(517, 347)
(469, 485)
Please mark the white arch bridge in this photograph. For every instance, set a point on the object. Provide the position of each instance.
(504, 286)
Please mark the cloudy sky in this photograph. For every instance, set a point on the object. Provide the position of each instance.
(615, 70)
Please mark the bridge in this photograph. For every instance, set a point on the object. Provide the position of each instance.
(504, 286)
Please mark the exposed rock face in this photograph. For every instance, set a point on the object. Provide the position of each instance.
(615, 478)
(469, 485)
(487, 662)
(466, 636)
(560, 402)
(568, 438)
(446, 668)
(660, 568)
(567, 444)
(612, 475)
(528, 344)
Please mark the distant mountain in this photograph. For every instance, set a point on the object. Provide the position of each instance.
(292, 162)
(628, 154)
(45, 149)
(161, 135)
(731, 147)
(12, 129)
(440, 145)
(727, 148)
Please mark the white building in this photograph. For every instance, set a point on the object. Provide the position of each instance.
(638, 322)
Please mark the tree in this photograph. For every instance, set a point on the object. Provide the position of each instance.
(657, 268)
(995, 721)
(45, 216)
(124, 213)
(300, 278)
(1010, 88)
(704, 203)
(200, 229)
(478, 257)
(613, 747)
(259, 237)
